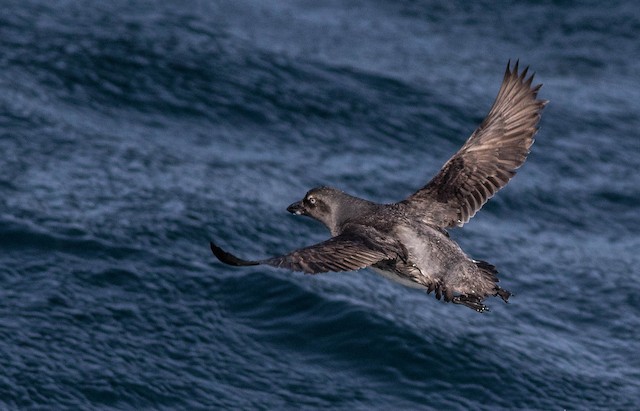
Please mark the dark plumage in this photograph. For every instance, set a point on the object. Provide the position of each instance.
(407, 241)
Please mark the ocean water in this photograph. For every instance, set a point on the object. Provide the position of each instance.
(133, 132)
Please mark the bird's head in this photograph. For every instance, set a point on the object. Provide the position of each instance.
(327, 205)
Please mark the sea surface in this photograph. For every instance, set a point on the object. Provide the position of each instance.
(134, 132)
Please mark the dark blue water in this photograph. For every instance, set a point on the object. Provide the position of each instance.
(132, 133)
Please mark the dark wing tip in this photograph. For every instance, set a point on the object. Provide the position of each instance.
(515, 72)
(229, 258)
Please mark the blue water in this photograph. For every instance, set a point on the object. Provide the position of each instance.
(132, 133)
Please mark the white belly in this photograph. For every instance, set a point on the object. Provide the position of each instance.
(395, 277)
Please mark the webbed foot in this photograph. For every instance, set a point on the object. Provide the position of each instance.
(504, 294)
(472, 301)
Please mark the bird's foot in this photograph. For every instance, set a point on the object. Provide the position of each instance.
(472, 301)
(504, 294)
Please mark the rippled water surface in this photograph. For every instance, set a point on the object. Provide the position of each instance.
(132, 133)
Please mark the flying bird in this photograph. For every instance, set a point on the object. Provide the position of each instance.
(408, 241)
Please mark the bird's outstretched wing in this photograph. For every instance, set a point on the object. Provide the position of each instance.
(346, 252)
(489, 158)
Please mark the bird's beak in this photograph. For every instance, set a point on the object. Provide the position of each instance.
(297, 208)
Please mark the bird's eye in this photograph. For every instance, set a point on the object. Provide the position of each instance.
(312, 200)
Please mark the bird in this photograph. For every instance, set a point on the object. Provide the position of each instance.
(408, 241)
